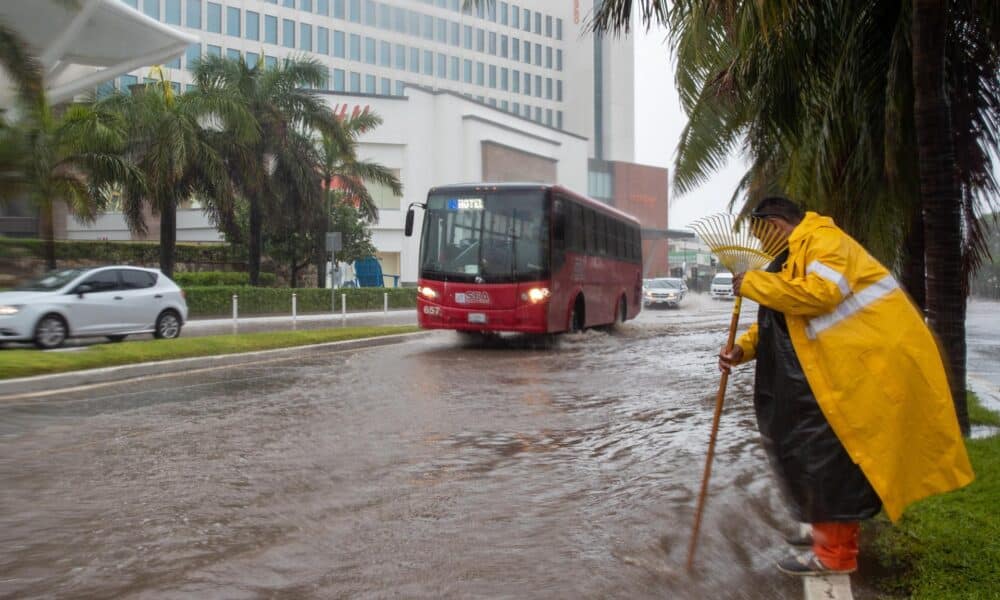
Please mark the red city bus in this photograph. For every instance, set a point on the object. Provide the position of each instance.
(527, 258)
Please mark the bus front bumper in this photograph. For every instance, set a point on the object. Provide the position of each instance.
(526, 318)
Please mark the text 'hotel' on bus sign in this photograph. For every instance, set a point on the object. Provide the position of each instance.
(465, 204)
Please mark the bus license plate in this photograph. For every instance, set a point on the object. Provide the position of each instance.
(477, 317)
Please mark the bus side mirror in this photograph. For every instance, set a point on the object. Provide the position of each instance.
(408, 230)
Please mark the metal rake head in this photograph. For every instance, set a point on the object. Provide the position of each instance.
(740, 244)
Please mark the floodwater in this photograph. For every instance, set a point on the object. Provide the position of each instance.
(427, 469)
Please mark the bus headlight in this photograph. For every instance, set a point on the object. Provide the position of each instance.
(428, 293)
(535, 295)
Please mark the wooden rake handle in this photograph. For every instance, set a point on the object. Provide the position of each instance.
(719, 399)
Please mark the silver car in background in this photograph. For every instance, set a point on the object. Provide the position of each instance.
(111, 301)
(668, 291)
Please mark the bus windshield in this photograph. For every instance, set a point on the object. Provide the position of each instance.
(486, 237)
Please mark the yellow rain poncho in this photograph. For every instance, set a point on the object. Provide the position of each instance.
(870, 360)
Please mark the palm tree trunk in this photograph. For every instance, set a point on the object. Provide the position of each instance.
(168, 237)
(940, 195)
(48, 232)
(255, 239)
(914, 267)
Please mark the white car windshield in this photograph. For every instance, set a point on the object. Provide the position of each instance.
(664, 284)
(51, 281)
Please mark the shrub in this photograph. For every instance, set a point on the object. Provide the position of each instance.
(108, 252)
(217, 278)
(214, 301)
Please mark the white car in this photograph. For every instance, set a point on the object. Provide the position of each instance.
(722, 286)
(107, 301)
(663, 290)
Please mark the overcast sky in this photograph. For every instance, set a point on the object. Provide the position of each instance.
(659, 121)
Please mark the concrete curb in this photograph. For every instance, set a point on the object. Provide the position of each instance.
(831, 587)
(44, 385)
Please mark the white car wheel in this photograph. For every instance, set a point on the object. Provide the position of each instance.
(50, 332)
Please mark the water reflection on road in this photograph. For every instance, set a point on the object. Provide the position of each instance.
(426, 469)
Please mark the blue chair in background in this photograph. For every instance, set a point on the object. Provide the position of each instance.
(368, 272)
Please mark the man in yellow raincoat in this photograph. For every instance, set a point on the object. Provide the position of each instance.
(852, 399)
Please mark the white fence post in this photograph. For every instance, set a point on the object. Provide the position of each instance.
(236, 310)
(343, 308)
(385, 303)
(294, 306)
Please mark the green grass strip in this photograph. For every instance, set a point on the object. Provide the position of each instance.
(24, 363)
(948, 546)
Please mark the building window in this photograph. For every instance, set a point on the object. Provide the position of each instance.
(370, 13)
(538, 31)
(214, 17)
(338, 44)
(233, 22)
(270, 62)
(192, 55)
(548, 25)
(559, 60)
(538, 114)
(559, 119)
(193, 17)
(515, 49)
(427, 31)
(401, 57)
(271, 29)
(527, 52)
(287, 33)
(515, 107)
(414, 60)
(493, 43)
(305, 37)
(527, 84)
(370, 50)
(338, 10)
(453, 63)
(515, 82)
(442, 66)
(538, 86)
(527, 20)
(355, 18)
(455, 33)
(355, 47)
(323, 7)
(515, 18)
(504, 105)
(428, 62)
(559, 90)
(399, 20)
(491, 11)
(503, 13)
(441, 31)
(493, 76)
(386, 86)
(538, 55)
(211, 50)
(503, 46)
(151, 8)
(548, 88)
(252, 59)
(233, 54)
(480, 40)
(548, 57)
(400, 88)
(253, 26)
(306, 5)
(338, 80)
(356, 83)
(467, 71)
(480, 74)
(382, 195)
(385, 54)
(467, 38)
(288, 3)
(504, 74)
(414, 18)
(172, 12)
(370, 84)
(559, 32)
(322, 40)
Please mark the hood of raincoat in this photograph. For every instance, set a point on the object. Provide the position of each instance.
(872, 363)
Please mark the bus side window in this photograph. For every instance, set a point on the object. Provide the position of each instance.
(559, 216)
(589, 245)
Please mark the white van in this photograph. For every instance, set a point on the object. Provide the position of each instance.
(722, 286)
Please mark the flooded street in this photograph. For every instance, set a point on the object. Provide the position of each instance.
(424, 469)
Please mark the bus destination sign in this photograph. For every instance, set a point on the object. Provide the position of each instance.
(465, 204)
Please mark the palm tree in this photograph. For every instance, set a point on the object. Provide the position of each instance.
(167, 141)
(21, 66)
(345, 176)
(76, 159)
(281, 106)
(840, 104)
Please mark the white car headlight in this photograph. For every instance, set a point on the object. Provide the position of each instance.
(10, 309)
